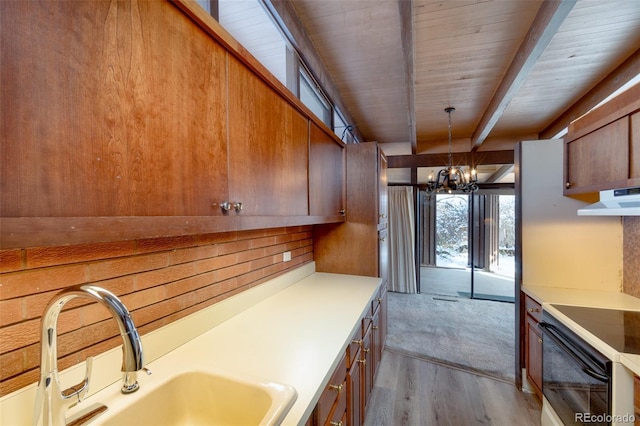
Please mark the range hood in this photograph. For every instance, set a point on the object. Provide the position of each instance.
(615, 202)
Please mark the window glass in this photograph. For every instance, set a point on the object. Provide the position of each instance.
(313, 100)
(249, 23)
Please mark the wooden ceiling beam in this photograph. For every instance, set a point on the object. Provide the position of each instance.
(628, 70)
(545, 25)
(500, 173)
(406, 34)
(438, 160)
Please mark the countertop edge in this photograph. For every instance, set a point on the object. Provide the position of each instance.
(548, 296)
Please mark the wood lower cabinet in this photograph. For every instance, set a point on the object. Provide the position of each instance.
(357, 370)
(332, 406)
(533, 344)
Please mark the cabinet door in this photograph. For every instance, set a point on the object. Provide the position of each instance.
(326, 174)
(133, 123)
(383, 255)
(355, 408)
(383, 197)
(367, 379)
(376, 344)
(598, 160)
(634, 172)
(533, 348)
(268, 149)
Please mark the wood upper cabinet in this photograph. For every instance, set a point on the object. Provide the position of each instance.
(383, 200)
(268, 148)
(110, 109)
(599, 158)
(326, 174)
(602, 148)
(356, 247)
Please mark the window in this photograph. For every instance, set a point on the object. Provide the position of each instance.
(312, 98)
(252, 24)
(249, 23)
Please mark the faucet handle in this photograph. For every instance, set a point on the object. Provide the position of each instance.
(81, 389)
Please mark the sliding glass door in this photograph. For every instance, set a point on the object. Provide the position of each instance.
(466, 245)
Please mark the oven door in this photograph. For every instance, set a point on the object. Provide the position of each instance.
(576, 378)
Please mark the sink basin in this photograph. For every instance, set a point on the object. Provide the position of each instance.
(198, 398)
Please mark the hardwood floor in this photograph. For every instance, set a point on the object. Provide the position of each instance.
(411, 391)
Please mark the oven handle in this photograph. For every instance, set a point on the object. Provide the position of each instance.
(587, 366)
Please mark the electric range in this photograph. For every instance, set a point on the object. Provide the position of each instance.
(619, 329)
(580, 384)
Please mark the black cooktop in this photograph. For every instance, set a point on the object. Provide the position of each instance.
(617, 328)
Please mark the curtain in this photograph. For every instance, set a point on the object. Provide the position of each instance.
(402, 271)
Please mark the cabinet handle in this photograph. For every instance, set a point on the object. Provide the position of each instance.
(379, 299)
(225, 206)
(534, 310)
(238, 207)
(341, 212)
(366, 350)
(539, 340)
(337, 388)
(375, 327)
(357, 342)
(384, 216)
(361, 361)
(382, 239)
(568, 185)
(332, 423)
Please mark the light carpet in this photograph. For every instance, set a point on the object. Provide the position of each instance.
(474, 335)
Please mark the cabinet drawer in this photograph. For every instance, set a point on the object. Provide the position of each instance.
(533, 309)
(335, 389)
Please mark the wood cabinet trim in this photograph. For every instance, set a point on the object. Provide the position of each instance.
(26, 232)
(625, 104)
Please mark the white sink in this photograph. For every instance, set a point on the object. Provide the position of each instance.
(202, 398)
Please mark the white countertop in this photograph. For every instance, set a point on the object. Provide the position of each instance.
(547, 296)
(293, 331)
(296, 337)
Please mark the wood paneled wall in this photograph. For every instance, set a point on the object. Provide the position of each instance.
(159, 280)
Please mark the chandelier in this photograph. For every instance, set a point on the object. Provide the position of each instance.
(452, 178)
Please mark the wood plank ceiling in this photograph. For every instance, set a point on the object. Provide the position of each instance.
(513, 69)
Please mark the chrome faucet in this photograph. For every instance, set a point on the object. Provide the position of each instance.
(51, 401)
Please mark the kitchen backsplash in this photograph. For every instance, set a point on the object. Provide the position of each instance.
(159, 280)
(631, 270)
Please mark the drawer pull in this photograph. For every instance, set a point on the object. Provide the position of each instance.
(379, 299)
(337, 388)
(366, 351)
(335, 423)
(362, 361)
(357, 342)
(375, 327)
(534, 310)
